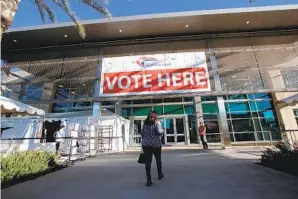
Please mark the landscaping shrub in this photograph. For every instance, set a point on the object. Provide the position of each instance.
(26, 164)
(281, 158)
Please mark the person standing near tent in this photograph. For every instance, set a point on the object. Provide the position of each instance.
(151, 144)
(59, 135)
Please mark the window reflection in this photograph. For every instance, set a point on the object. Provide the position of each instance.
(212, 127)
(173, 109)
(243, 125)
(252, 117)
(73, 90)
(238, 107)
(156, 101)
(141, 111)
(32, 92)
(144, 101)
(189, 109)
(244, 136)
(264, 105)
(237, 97)
(126, 112)
(178, 99)
(208, 98)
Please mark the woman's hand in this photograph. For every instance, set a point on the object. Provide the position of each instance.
(159, 127)
(158, 122)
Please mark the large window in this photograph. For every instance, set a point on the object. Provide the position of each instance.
(161, 110)
(166, 106)
(251, 117)
(32, 93)
(73, 91)
(211, 120)
(61, 107)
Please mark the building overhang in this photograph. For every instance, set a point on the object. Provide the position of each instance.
(272, 18)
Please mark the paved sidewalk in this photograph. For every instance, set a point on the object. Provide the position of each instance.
(189, 174)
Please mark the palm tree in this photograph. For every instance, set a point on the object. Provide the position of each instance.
(10, 7)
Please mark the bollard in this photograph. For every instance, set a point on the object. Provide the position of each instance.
(10, 142)
(270, 136)
(70, 152)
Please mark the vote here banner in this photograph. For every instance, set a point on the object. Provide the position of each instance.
(153, 74)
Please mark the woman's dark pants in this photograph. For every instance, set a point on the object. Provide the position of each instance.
(203, 140)
(148, 152)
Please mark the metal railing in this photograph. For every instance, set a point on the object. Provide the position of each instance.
(291, 137)
(72, 148)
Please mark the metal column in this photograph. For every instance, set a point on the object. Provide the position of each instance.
(199, 114)
(222, 115)
(223, 123)
(96, 112)
(118, 109)
(186, 130)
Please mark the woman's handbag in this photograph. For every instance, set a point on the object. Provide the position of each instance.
(141, 159)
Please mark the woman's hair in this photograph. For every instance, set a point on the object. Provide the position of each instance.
(148, 120)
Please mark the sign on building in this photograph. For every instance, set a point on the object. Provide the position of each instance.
(154, 74)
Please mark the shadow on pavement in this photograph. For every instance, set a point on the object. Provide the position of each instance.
(190, 174)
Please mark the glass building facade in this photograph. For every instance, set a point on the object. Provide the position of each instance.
(250, 117)
(248, 75)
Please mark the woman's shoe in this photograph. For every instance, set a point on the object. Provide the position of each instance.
(161, 176)
(149, 183)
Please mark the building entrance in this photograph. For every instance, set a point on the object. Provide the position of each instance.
(176, 130)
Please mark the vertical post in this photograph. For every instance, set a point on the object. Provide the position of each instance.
(118, 110)
(199, 115)
(222, 115)
(70, 151)
(90, 143)
(96, 113)
(270, 136)
(223, 123)
(186, 130)
(131, 132)
(10, 143)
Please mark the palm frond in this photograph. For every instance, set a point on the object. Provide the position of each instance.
(39, 4)
(106, 2)
(50, 13)
(96, 6)
(64, 5)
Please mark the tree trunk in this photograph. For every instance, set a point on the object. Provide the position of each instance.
(8, 11)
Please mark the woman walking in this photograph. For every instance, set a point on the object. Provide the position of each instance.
(151, 144)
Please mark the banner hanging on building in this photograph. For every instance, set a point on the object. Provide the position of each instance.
(154, 74)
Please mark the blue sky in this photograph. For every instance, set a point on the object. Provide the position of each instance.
(28, 15)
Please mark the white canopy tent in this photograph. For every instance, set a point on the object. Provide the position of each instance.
(73, 121)
(18, 133)
(26, 127)
(15, 108)
(19, 127)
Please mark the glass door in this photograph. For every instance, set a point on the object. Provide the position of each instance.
(174, 130)
(137, 131)
(180, 130)
(168, 124)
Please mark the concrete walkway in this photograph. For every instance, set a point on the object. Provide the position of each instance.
(189, 174)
